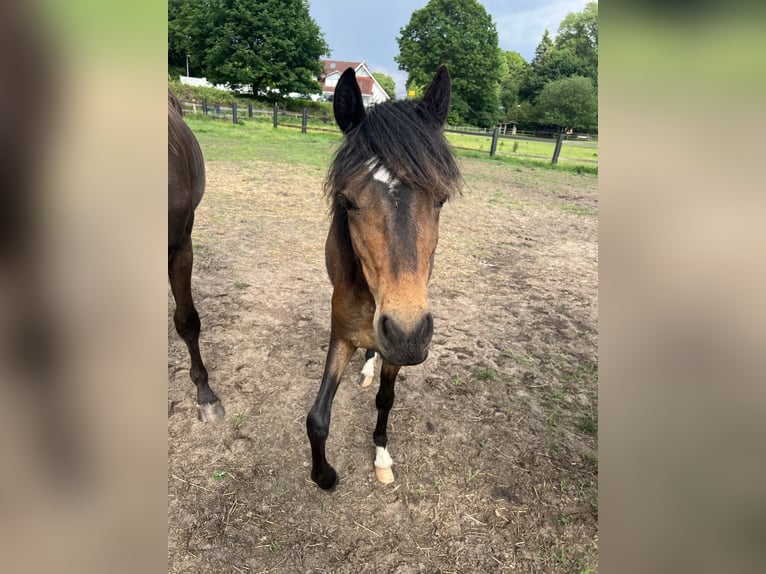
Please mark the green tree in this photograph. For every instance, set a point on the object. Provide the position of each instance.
(178, 44)
(573, 53)
(513, 69)
(568, 103)
(542, 48)
(578, 32)
(462, 35)
(557, 63)
(272, 45)
(387, 83)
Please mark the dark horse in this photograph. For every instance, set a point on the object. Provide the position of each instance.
(389, 179)
(186, 184)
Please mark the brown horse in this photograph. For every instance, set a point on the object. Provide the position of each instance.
(186, 185)
(389, 179)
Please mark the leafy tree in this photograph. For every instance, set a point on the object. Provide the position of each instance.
(177, 40)
(387, 83)
(569, 103)
(542, 48)
(573, 53)
(272, 45)
(461, 34)
(513, 69)
(578, 32)
(557, 63)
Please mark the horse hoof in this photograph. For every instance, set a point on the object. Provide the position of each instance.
(210, 412)
(327, 482)
(384, 475)
(365, 381)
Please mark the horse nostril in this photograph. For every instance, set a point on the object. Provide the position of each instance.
(428, 326)
(385, 327)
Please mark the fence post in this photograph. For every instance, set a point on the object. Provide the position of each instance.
(557, 149)
(325, 117)
(304, 120)
(204, 106)
(276, 113)
(234, 113)
(250, 109)
(495, 135)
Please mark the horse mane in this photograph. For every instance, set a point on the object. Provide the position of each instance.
(410, 145)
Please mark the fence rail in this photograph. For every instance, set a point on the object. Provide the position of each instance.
(304, 121)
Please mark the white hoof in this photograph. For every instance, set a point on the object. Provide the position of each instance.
(365, 381)
(383, 465)
(384, 475)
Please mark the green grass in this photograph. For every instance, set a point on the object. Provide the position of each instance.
(587, 424)
(578, 210)
(238, 420)
(257, 140)
(484, 373)
(585, 153)
(542, 164)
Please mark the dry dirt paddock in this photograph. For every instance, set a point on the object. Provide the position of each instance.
(494, 437)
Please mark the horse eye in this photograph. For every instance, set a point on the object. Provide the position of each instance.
(346, 203)
(441, 202)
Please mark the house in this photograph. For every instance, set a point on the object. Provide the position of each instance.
(372, 91)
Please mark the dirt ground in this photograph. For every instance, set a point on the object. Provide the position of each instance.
(494, 437)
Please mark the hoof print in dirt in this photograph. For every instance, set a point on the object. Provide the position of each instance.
(210, 412)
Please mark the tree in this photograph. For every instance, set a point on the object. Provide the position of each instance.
(513, 69)
(460, 34)
(573, 53)
(542, 48)
(387, 83)
(578, 31)
(557, 63)
(177, 39)
(247, 42)
(568, 103)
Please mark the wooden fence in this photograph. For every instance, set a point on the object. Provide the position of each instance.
(305, 122)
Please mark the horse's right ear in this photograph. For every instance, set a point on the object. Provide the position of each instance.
(347, 102)
(436, 101)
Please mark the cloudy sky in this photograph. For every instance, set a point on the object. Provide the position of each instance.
(367, 29)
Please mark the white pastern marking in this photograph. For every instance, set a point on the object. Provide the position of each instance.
(382, 458)
(369, 366)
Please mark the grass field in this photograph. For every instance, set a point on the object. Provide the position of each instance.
(574, 151)
(227, 141)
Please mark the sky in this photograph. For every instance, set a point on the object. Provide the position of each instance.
(367, 29)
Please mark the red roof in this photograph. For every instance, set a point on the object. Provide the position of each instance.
(338, 66)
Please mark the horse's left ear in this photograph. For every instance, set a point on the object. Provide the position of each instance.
(436, 101)
(347, 104)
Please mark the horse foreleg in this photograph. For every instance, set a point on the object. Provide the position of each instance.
(384, 400)
(318, 420)
(187, 324)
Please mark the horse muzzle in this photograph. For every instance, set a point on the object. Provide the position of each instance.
(401, 346)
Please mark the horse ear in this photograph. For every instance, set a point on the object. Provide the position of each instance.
(436, 100)
(347, 102)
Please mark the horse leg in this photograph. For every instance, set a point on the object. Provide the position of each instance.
(368, 371)
(384, 400)
(318, 420)
(187, 324)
